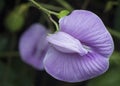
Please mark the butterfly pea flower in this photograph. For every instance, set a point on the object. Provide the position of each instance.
(33, 45)
(79, 51)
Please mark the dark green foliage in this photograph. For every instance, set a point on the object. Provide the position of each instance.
(17, 15)
(110, 78)
(16, 73)
(117, 17)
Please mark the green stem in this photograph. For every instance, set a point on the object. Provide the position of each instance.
(65, 4)
(11, 54)
(85, 4)
(44, 9)
(23, 8)
(52, 7)
(48, 12)
(114, 33)
(55, 23)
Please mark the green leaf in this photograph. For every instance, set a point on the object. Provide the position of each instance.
(24, 73)
(110, 5)
(110, 78)
(115, 58)
(63, 13)
(16, 74)
(2, 3)
(6, 74)
(117, 18)
(4, 43)
(114, 32)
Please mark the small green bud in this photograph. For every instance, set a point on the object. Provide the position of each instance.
(14, 22)
(16, 18)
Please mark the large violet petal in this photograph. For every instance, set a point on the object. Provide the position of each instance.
(73, 67)
(89, 29)
(33, 45)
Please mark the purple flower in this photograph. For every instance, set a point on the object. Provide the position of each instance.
(79, 51)
(33, 45)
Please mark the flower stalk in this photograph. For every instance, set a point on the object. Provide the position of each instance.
(48, 12)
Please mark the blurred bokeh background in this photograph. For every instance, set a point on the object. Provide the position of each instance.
(17, 15)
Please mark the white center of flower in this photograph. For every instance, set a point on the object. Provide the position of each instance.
(66, 43)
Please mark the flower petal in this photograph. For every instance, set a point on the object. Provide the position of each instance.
(73, 67)
(33, 46)
(89, 29)
(66, 43)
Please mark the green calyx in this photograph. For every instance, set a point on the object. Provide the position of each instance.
(49, 13)
(63, 13)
